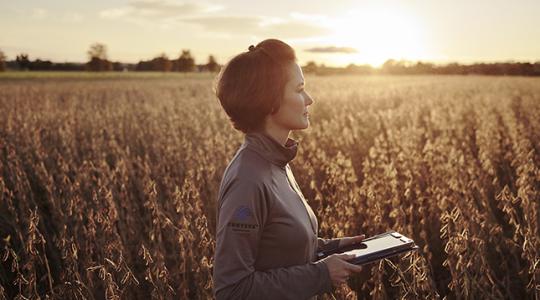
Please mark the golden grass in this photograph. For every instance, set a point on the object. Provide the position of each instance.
(108, 188)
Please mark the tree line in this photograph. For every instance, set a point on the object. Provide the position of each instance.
(98, 61)
(185, 62)
(404, 67)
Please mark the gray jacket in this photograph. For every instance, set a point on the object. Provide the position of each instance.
(266, 235)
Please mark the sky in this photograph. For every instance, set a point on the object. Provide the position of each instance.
(335, 33)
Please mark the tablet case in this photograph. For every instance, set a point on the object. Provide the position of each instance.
(406, 246)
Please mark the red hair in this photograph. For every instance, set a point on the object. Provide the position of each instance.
(252, 84)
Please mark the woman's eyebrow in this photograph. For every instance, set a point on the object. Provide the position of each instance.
(301, 83)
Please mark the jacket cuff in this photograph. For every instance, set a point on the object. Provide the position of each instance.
(325, 280)
(327, 245)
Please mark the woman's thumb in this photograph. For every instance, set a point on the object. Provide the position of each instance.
(346, 256)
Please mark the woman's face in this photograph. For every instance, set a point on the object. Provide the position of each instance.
(293, 112)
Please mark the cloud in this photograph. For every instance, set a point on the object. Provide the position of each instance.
(157, 9)
(65, 16)
(314, 18)
(297, 29)
(39, 13)
(115, 13)
(166, 14)
(72, 17)
(257, 26)
(332, 49)
(162, 8)
(229, 24)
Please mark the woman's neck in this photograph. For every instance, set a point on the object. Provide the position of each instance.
(279, 134)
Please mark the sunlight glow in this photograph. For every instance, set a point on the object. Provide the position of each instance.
(378, 33)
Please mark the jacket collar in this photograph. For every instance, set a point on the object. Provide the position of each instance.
(271, 149)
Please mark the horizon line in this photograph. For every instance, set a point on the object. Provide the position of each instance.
(320, 64)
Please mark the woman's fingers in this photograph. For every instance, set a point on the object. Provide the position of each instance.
(353, 268)
(351, 240)
(358, 238)
(345, 277)
(349, 266)
(340, 269)
(345, 256)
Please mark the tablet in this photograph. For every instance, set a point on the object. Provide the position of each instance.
(377, 247)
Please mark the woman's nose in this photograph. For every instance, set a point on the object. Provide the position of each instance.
(309, 100)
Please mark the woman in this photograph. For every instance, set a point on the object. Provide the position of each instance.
(266, 232)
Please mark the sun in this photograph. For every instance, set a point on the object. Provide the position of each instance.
(378, 34)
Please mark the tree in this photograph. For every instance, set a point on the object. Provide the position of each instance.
(422, 68)
(118, 66)
(97, 50)
(97, 55)
(159, 63)
(212, 65)
(97, 64)
(310, 67)
(361, 69)
(392, 66)
(23, 61)
(162, 63)
(40, 65)
(185, 62)
(2, 61)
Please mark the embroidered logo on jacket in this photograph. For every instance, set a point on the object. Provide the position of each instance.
(240, 221)
(242, 213)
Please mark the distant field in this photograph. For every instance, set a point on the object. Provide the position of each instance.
(99, 75)
(108, 187)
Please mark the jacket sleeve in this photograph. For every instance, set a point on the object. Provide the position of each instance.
(327, 244)
(242, 213)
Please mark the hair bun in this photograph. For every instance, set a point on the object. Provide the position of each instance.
(251, 48)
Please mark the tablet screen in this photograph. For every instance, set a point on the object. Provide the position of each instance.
(380, 244)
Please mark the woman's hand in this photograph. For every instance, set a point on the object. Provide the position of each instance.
(339, 268)
(346, 241)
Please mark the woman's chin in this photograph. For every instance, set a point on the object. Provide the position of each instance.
(304, 124)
